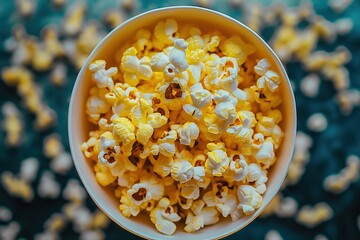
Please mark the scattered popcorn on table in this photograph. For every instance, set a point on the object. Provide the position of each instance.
(339, 5)
(12, 124)
(47, 235)
(5, 214)
(348, 99)
(273, 235)
(62, 163)
(17, 187)
(338, 183)
(52, 145)
(309, 85)
(48, 186)
(29, 169)
(312, 216)
(92, 235)
(317, 122)
(171, 112)
(74, 192)
(320, 237)
(10, 231)
(26, 8)
(55, 223)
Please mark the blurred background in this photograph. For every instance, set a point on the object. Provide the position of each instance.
(43, 43)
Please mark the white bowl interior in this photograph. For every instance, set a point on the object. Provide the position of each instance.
(79, 126)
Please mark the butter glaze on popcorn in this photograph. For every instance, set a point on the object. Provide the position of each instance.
(188, 126)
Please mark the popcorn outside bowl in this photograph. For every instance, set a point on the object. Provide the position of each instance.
(79, 126)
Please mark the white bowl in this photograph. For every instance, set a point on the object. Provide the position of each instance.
(79, 126)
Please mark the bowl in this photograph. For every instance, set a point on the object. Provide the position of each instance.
(78, 126)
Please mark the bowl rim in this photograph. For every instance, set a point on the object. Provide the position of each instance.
(99, 45)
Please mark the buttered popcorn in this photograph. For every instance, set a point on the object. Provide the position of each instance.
(188, 126)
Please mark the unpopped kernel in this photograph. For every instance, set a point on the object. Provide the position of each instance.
(188, 126)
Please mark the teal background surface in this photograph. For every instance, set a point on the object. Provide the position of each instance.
(328, 152)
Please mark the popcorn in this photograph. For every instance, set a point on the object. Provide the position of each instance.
(338, 183)
(217, 161)
(5, 214)
(310, 85)
(92, 235)
(108, 152)
(74, 19)
(103, 77)
(273, 235)
(28, 169)
(166, 144)
(55, 223)
(206, 216)
(188, 133)
(347, 100)
(184, 114)
(74, 192)
(149, 188)
(249, 199)
(17, 187)
(48, 187)
(52, 145)
(10, 231)
(12, 124)
(312, 216)
(26, 8)
(317, 122)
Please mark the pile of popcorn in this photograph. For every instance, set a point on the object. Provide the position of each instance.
(188, 126)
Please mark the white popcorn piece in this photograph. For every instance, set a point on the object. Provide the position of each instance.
(28, 169)
(249, 199)
(188, 133)
(108, 152)
(164, 216)
(287, 207)
(273, 235)
(5, 214)
(62, 163)
(205, 216)
(182, 171)
(10, 231)
(192, 111)
(270, 80)
(262, 67)
(82, 219)
(58, 75)
(177, 55)
(190, 190)
(344, 26)
(309, 85)
(12, 124)
(144, 71)
(166, 144)
(200, 96)
(317, 122)
(149, 188)
(320, 237)
(265, 154)
(159, 61)
(339, 5)
(102, 76)
(74, 192)
(312, 216)
(239, 167)
(229, 73)
(257, 175)
(94, 234)
(47, 235)
(48, 187)
(199, 173)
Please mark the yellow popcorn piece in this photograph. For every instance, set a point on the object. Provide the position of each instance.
(213, 44)
(53, 146)
(312, 216)
(123, 130)
(103, 175)
(217, 162)
(144, 133)
(182, 171)
(236, 48)
(206, 216)
(164, 33)
(249, 199)
(74, 18)
(17, 187)
(163, 165)
(190, 189)
(12, 124)
(127, 207)
(166, 144)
